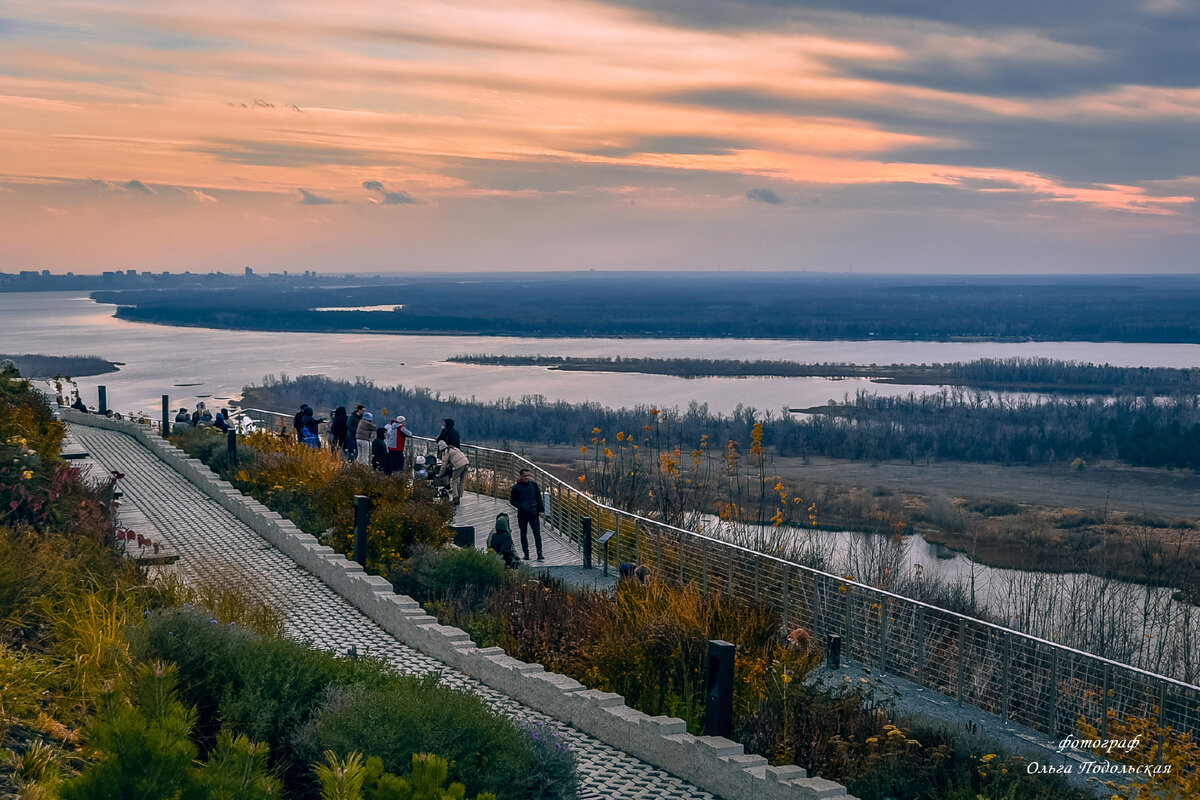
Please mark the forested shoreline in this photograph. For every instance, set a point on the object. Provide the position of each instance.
(39, 366)
(1009, 374)
(725, 305)
(948, 425)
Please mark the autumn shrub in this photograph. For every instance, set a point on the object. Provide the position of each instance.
(1156, 747)
(26, 416)
(315, 489)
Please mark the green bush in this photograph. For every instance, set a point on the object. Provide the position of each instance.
(279, 692)
(262, 687)
(146, 751)
(431, 573)
(413, 715)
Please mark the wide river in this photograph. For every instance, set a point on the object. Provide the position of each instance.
(187, 363)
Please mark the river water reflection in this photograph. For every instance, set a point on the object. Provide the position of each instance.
(188, 363)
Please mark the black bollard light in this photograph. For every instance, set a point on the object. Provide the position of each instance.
(166, 418)
(833, 650)
(103, 407)
(231, 445)
(718, 701)
(587, 542)
(362, 517)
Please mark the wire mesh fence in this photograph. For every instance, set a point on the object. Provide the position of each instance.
(1034, 682)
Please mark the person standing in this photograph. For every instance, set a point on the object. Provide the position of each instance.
(379, 452)
(298, 422)
(352, 432)
(448, 434)
(454, 465)
(397, 437)
(526, 497)
(364, 432)
(339, 426)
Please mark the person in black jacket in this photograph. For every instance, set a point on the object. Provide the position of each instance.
(526, 497)
(298, 422)
(449, 435)
(352, 432)
(379, 453)
(338, 427)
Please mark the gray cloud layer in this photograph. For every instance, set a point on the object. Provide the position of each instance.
(388, 198)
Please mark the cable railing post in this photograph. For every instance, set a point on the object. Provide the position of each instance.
(883, 632)
(787, 600)
(962, 653)
(1052, 701)
(1162, 720)
(679, 558)
(1104, 700)
(1005, 675)
(617, 517)
(658, 556)
(817, 628)
(920, 645)
(848, 623)
(704, 565)
(587, 542)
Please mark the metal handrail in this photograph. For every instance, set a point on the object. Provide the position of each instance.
(878, 624)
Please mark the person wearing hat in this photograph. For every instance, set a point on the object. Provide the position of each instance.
(364, 433)
(397, 437)
(454, 466)
(419, 471)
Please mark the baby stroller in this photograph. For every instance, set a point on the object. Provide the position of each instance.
(431, 466)
(441, 486)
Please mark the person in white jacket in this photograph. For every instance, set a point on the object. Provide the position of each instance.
(454, 465)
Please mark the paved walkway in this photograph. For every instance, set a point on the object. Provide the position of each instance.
(211, 541)
(563, 559)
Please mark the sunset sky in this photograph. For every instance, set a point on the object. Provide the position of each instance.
(830, 135)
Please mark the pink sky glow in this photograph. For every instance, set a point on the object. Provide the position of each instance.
(556, 134)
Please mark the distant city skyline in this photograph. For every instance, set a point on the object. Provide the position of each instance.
(462, 135)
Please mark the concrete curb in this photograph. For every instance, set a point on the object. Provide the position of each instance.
(714, 764)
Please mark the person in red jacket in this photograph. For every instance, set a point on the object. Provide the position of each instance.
(397, 436)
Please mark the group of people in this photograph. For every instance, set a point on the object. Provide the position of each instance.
(358, 437)
(201, 417)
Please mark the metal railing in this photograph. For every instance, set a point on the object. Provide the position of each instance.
(1020, 678)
